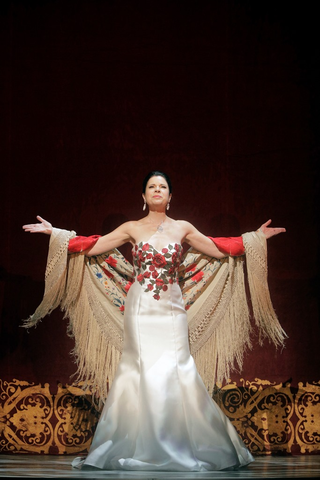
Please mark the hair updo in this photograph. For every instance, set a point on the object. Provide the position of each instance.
(155, 173)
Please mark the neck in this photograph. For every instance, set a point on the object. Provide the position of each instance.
(156, 217)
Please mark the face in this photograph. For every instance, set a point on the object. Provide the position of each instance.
(157, 192)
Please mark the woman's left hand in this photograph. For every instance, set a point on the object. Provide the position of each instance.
(269, 231)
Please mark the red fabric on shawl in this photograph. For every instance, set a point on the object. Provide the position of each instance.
(231, 245)
(79, 244)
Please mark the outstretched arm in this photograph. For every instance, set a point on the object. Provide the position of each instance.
(207, 246)
(112, 240)
(43, 227)
(104, 244)
(271, 231)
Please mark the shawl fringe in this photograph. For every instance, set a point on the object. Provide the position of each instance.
(91, 292)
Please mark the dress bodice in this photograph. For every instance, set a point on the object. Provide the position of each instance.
(156, 269)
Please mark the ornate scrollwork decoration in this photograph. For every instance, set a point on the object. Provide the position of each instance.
(25, 414)
(308, 413)
(262, 413)
(76, 419)
(270, 418)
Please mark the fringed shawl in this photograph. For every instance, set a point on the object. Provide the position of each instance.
(92, 292)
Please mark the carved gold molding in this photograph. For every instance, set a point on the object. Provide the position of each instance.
(271, 418)
(308, 413)
(262, 413)
(26, 411)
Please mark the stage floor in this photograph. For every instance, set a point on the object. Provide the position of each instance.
(50, 466)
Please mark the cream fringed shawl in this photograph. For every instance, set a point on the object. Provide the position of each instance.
(92, 291)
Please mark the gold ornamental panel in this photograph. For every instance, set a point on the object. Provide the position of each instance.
(76, 420)
(271, 418)
(261, 412)
(308, 413)
(25, 417)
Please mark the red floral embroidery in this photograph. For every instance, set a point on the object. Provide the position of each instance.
(156, 270)
(159, 261)
(111, 261)
(122, 308)
(197, 277)
(174, 257)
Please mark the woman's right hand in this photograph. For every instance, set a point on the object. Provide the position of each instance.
(42, 227)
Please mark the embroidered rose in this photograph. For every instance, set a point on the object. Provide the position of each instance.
(154, 269)
(159, 282)
(141, 256)
(174, 257)
(111, 261)
(159, 261)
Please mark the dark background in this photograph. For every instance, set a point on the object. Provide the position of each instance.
(221, 95)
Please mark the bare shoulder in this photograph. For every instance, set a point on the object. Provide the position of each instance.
(126, 226)
(187, 227)
(133, 227)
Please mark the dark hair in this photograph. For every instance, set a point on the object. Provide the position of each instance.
(155, 173)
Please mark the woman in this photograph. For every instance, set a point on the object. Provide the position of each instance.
(158, 414)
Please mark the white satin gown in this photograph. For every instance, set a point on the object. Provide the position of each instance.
(158, 415)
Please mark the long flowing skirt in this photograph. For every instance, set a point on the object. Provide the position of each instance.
(159, 415)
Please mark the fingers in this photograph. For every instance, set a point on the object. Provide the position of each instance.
(277, 230)
(267, 223)
(28, 228)
(43, 227)
(271, 232)
(33, 227)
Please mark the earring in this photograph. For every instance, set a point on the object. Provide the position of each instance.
(144, 206)
(168, 206)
